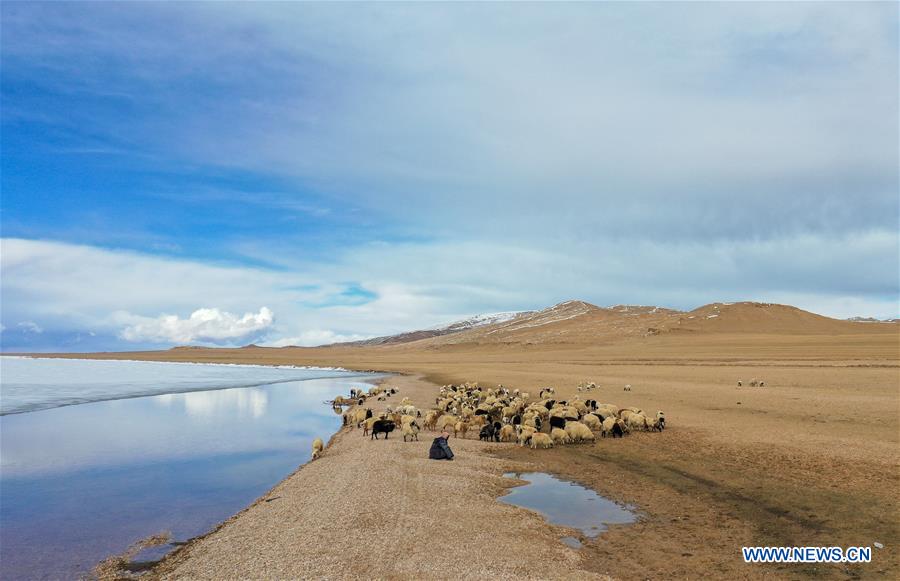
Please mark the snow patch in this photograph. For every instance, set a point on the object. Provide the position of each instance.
(479, 321)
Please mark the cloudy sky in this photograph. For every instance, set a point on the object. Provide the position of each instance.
(301, 173)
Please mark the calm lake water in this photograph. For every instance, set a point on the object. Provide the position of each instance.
(81, 482)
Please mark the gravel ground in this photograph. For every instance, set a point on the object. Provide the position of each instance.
(381, 509)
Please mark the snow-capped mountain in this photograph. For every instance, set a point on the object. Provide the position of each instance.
(454, 327)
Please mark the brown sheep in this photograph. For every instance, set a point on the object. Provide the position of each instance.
(541, 440)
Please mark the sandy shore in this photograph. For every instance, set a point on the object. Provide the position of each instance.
(813, 459)
(381, 509)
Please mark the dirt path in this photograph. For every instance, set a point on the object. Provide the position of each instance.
(381, 509)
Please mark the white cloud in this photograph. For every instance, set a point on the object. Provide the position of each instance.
(421, 285)
(313, 338)
(30, 327)
(204, 325)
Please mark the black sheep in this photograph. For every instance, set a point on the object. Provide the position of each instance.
(556, 422)
(487, 433)
(617, 430)
(382, 427)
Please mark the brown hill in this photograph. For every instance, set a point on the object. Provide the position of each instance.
(579, 322)
(567, 322)
(751, 317)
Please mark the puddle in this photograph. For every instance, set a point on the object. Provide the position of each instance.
(567, 504)
(571, 542)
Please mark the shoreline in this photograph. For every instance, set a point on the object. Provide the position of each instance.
(262, 498)
(706, 486)
(200, 557)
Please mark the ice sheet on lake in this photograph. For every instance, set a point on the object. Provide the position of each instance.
(31, 384)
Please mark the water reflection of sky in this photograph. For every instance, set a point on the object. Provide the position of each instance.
(249, 402)
(567, 503)
(81, 482)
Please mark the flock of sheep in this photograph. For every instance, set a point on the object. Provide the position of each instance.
(500, 415)
(753, 383)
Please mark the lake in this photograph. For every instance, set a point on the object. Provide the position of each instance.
(99, 463)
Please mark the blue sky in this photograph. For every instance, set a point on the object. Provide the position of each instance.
(301, 173)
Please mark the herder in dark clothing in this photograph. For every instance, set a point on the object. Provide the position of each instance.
(439, 448)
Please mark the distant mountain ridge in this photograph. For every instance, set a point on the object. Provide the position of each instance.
(454, 327)
(576, 321)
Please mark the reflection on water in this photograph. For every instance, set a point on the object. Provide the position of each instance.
(83, 482)
(249, 402)
(568, 504)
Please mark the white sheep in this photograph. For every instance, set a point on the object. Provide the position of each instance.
(411, 430)
(317, 447)
(592, 422)
(607, 409)
(507, 433)
(525, 434)
(356, 417)
(579, 405)
(447, 421)
(636, 421)
(579, 432)
(559, 436)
